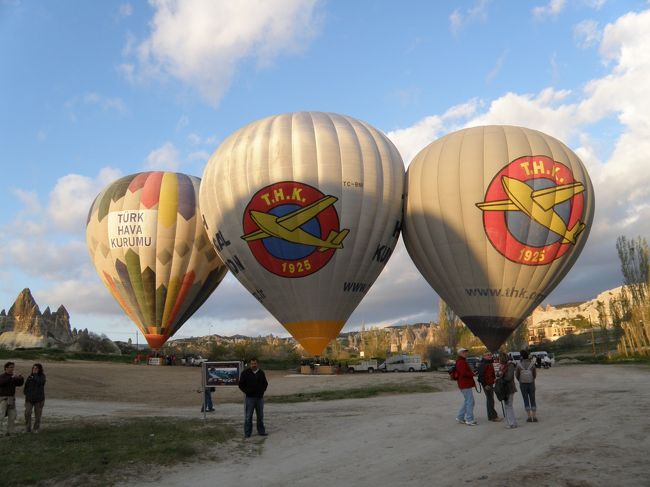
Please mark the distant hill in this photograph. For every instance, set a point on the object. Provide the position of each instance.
(587, 309)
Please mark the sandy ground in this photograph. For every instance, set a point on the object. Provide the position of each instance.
(593, 431)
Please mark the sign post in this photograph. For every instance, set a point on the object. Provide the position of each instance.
(216, 374)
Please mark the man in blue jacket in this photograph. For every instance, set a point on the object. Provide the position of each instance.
(253, 383)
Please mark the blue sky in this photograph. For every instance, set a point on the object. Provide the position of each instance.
(93, 90)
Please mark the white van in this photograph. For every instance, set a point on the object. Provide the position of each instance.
(547, 359)
(402, 363)
(514, 357)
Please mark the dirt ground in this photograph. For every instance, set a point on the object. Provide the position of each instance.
(593, 430)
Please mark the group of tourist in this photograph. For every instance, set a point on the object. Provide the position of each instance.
(34, 391)
(524, 371)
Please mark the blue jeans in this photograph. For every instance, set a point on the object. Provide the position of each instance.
(254, 404)
(207, 400)
(528, 393)
(510, 410)
(466, 412)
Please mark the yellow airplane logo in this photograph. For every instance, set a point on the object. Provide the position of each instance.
(538, 205)
(287, 227)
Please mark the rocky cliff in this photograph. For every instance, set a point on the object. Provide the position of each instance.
(25, 326)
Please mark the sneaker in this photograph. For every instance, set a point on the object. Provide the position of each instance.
(535, 419)
(460, 421)
(471, 423)
(511, 426)
(529, 420)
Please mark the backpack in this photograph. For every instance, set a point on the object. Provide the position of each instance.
(501, 389)
(526, 375)
(453, 373)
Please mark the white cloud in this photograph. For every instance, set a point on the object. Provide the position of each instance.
(94, 100)
(409, 141)
(552, 9)
(72, 196)
(586, 33)
(201, 42)
(497, 67)
(30, 200)
(595, 4)
(125, 10)
(199, 156)
(197, 139)
(458, 19)
(79, 295)
(165, 158)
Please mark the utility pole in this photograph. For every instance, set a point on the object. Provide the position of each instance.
(593, 341)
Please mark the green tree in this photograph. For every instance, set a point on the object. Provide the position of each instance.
(450, 326)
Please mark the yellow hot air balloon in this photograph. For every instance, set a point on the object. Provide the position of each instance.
(146, 240)
(305, 209)
(495, 217)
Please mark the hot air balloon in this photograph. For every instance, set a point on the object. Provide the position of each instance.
(305, 209)
(494, 218)
(147, 242)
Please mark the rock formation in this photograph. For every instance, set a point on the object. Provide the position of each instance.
(25, 326)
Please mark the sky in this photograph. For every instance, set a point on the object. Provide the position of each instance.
(91, 91)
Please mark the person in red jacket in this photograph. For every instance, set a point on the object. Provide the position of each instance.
(465, 384)
(487, 378)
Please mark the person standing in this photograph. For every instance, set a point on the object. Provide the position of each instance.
(253, 383)
(207, 405)
(507, 373)
(465, 379)
(9, 380)
(526, 374)
(487, 378)
(34, 397)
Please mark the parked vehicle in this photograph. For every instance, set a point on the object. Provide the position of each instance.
(196, 361)
(546, 359)
(364, 366)
(514, 356)
(402, 363)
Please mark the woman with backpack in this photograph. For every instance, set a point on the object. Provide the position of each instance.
(526, 374)
(507, 375)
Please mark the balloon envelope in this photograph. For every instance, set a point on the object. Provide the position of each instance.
(305, 209)
(147, 242)
(495, 217)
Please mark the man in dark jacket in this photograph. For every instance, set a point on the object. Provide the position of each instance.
(487, 378)
(465, 384)
(253, 383)
(8, 383)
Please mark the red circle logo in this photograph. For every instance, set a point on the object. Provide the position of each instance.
(533, 209)
(292, 229)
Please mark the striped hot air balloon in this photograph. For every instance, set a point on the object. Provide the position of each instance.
(495, 217)
(305, 208)
(146, 239)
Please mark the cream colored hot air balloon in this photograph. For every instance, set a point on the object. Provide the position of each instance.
(495, 217)
(305, 209)
(146, 239)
